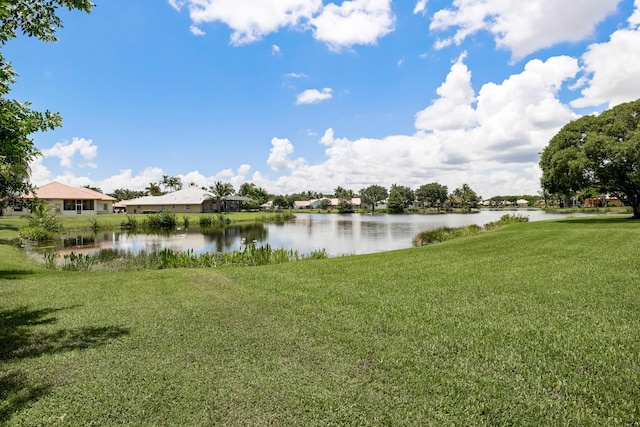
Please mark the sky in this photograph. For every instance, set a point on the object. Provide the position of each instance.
(309, 95)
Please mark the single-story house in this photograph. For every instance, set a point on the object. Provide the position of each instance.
(188, 200)
(597, 201)
(65, 200)
(316, 203)
(522, 203)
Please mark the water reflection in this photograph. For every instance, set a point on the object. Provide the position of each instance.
(337, 234)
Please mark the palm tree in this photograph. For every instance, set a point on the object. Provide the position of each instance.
(171, 183)
(221, 190)
(153, 189)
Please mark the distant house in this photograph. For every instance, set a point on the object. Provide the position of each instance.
(188, 200)
(316, 203)
(602, 202)
(522, 203)
(65, 200)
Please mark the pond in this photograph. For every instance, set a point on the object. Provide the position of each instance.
(337, 234)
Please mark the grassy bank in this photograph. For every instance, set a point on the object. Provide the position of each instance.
(532, 324)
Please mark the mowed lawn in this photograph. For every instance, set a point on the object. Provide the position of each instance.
(532, 324)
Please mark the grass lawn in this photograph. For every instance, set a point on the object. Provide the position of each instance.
(532, 324)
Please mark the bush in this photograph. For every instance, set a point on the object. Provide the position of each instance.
(162, 221)
(37, 234)
(42, 225)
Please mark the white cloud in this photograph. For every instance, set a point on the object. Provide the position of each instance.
(421, 7)
(279, 158)
(494, 149)
(314, 96)
(634, 19)
(454, 108)
(196, 31)
(614, 67)
(296, 75)
(250, 20)
(354, 22)
(177, 4)
(275, 49)
(65, 151)
(522, 27)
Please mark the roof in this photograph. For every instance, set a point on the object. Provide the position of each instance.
(56, 190)
(187, 196)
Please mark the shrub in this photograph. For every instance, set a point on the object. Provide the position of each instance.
(78, 262)
(162, 221)
(206, 221)
(131, 223)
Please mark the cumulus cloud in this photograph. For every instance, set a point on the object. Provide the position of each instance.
(494, 148)
(360, 22)
(250, 20)
(279, 159)
(65, 151)
(353, 22)
(522, 27)
(613, 67)
(454, 108)
(314, 96)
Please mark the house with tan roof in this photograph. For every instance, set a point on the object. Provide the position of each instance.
(188, 200)
(65, 200)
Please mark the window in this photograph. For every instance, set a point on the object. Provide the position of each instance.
(104, 207)
(87, 205)
(69, 205)
(187, 207)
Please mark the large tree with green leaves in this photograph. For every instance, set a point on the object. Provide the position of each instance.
(34, 18)
(396, 201)
(373, 194)
(601, 151)
(466, 197)
(406, 194)
(432, 194)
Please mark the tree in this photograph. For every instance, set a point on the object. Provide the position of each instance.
(345, 206)
(17, 121)
(373, 195)
(342, 193)
(93, 188)
(597, 151)
(396, 201)
(248, 189)
(171, 183)
(406, 194)
(325, 204)
(125, 194)
(466, 197)
(281, 202)
(432, 194)
(153, 189)
(221, 190)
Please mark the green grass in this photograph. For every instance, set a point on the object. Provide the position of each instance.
(531, 324)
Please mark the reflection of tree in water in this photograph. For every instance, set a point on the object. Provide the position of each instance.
(373, 228)
(345, 226)
(228, 238)
(20, 339)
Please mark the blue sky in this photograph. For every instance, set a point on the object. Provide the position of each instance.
(297, 95)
